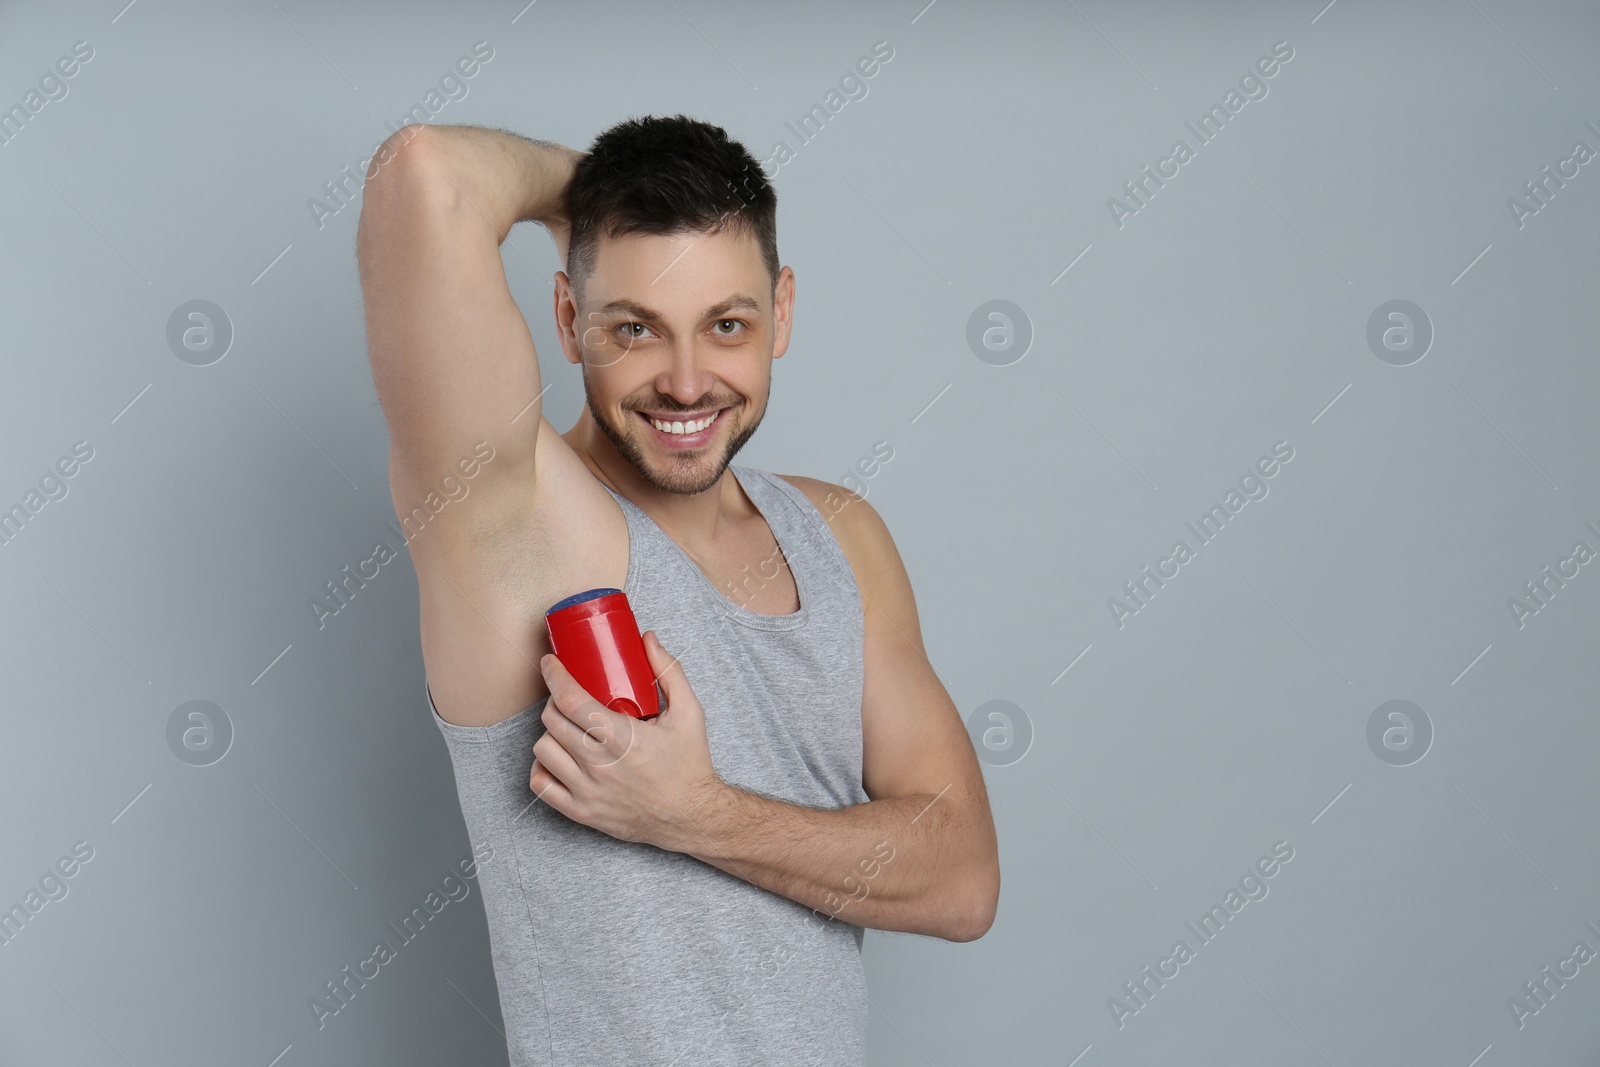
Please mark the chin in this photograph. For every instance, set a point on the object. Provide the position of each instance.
(685, 474)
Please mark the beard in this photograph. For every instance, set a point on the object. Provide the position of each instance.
(683, 473)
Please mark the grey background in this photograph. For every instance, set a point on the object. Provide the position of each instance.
(1228, 314)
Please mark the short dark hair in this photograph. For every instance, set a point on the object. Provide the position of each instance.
(667, 175)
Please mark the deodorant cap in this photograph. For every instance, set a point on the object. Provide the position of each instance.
(579, 598)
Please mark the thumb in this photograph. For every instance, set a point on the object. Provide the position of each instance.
(669, 672)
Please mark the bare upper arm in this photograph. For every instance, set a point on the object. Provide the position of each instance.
(452, 358)
(457, 375)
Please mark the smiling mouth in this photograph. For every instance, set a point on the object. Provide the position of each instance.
(677, 428)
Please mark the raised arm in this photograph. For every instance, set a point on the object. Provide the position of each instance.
(499, 512)
(452, 358)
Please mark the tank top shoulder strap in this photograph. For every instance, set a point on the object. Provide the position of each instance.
(780, 502)
(785, 502)
(632, 512)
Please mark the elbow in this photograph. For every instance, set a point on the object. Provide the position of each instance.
(974, 911)
(400, 170)
(404, 143)
(978, 920)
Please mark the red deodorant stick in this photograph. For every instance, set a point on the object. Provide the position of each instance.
(597, 639)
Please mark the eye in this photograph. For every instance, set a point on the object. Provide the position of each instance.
(737, 322)
(628, 326)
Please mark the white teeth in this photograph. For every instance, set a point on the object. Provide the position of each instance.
(683, 427)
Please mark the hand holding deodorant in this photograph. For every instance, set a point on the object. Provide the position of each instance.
(597, 639)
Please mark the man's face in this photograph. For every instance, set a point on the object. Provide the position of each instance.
(678, 329)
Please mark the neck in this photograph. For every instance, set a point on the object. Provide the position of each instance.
(689, 518)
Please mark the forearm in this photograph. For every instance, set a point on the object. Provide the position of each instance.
(500, 176)
(921, 864)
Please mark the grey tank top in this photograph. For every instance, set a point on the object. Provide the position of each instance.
(609, 952)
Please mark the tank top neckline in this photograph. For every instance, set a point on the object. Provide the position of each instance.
(731, 610)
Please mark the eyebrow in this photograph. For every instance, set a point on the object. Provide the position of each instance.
(734, 303)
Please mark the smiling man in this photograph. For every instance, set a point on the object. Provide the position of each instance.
(693, 888)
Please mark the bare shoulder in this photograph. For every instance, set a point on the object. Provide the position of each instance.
(887, 599)
(856, 524)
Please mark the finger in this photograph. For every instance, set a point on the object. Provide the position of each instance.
(607, 735)
(548, 788)
(682, 704)
(593, 734)
(665, 666)
(549, 753)
(565, 691)
(560, 729)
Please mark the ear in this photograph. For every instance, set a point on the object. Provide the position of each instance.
(782, 312)
(565, 302)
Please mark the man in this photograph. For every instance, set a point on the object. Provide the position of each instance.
(689, 889)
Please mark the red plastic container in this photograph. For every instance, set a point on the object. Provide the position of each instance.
(597, 639)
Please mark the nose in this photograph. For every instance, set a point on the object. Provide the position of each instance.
(685, 379)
